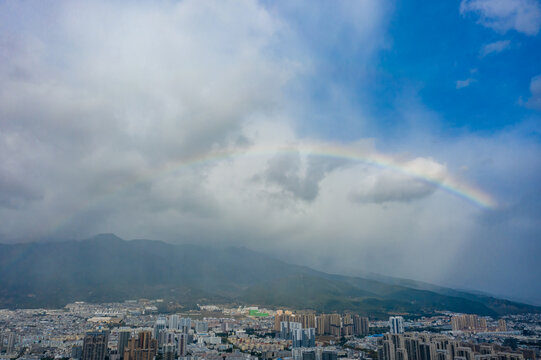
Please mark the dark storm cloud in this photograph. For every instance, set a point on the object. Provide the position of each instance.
(285, 170)
(389, 187)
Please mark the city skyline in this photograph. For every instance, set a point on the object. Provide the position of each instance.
(138, 330)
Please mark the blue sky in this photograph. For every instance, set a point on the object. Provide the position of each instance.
(424, 50)
(344, 135)
(445, 47)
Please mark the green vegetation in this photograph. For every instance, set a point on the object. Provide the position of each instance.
(377, 330)
(257, 313)
(107, 268)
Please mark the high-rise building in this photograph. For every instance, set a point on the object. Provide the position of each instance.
(225, 326)
(468, 323)
(441, 355)
(388, 350)
(287, 328)
(303, 337)
(335, 325)
(425, 346)
(309, 337)
(396, 325)
(360, 325)
(282, 317)
(159, 326)
(482, 324)
(401, 354)
(201, 327)
(323, 325)
(185, 324)
(168, 337)
(284, 330)
(95, 345)
(329, 355)
(182, 344)
(143, 348)
(347, 325)
(277, 320)
(295, 326)
(76, 352)
(425, 352)
(169, 352)
(464, 353)
(307, 320)
(502, 325)
(299, 336)
(309, 355)
(296, 338)
(173, 322)
(396, 339)
(412, 348)
(12, 340)
(123, 338)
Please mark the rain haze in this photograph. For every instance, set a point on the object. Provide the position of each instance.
(354, 137)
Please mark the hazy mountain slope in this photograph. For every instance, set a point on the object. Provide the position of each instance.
(107, 268)
(339, 294)
(499, 305)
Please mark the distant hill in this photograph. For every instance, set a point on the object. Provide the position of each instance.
(107, 268)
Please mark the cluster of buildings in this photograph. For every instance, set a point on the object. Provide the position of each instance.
(169, 338)
(426, 346)
(258, 345)
(142, 346)
(134, 330)
(299, 336)
(324, 324)
(474, 323)
(396, 324)
(7, 342)
(314, 354)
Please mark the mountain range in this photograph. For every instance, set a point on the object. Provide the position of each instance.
(107, 268)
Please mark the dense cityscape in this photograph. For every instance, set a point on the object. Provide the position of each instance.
(139, 330)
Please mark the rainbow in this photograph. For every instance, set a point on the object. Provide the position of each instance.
(447, 183)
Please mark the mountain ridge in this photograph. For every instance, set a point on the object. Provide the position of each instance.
(108, 268)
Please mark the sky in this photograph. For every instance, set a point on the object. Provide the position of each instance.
(395, 137)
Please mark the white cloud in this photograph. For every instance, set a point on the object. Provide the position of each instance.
(534, 101)
(119, 118)
(494, 48)
(503, 15)
(390, 186)
(464, 83)
(112, 92)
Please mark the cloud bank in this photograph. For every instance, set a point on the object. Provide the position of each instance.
(187, 121)
(523, 16)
